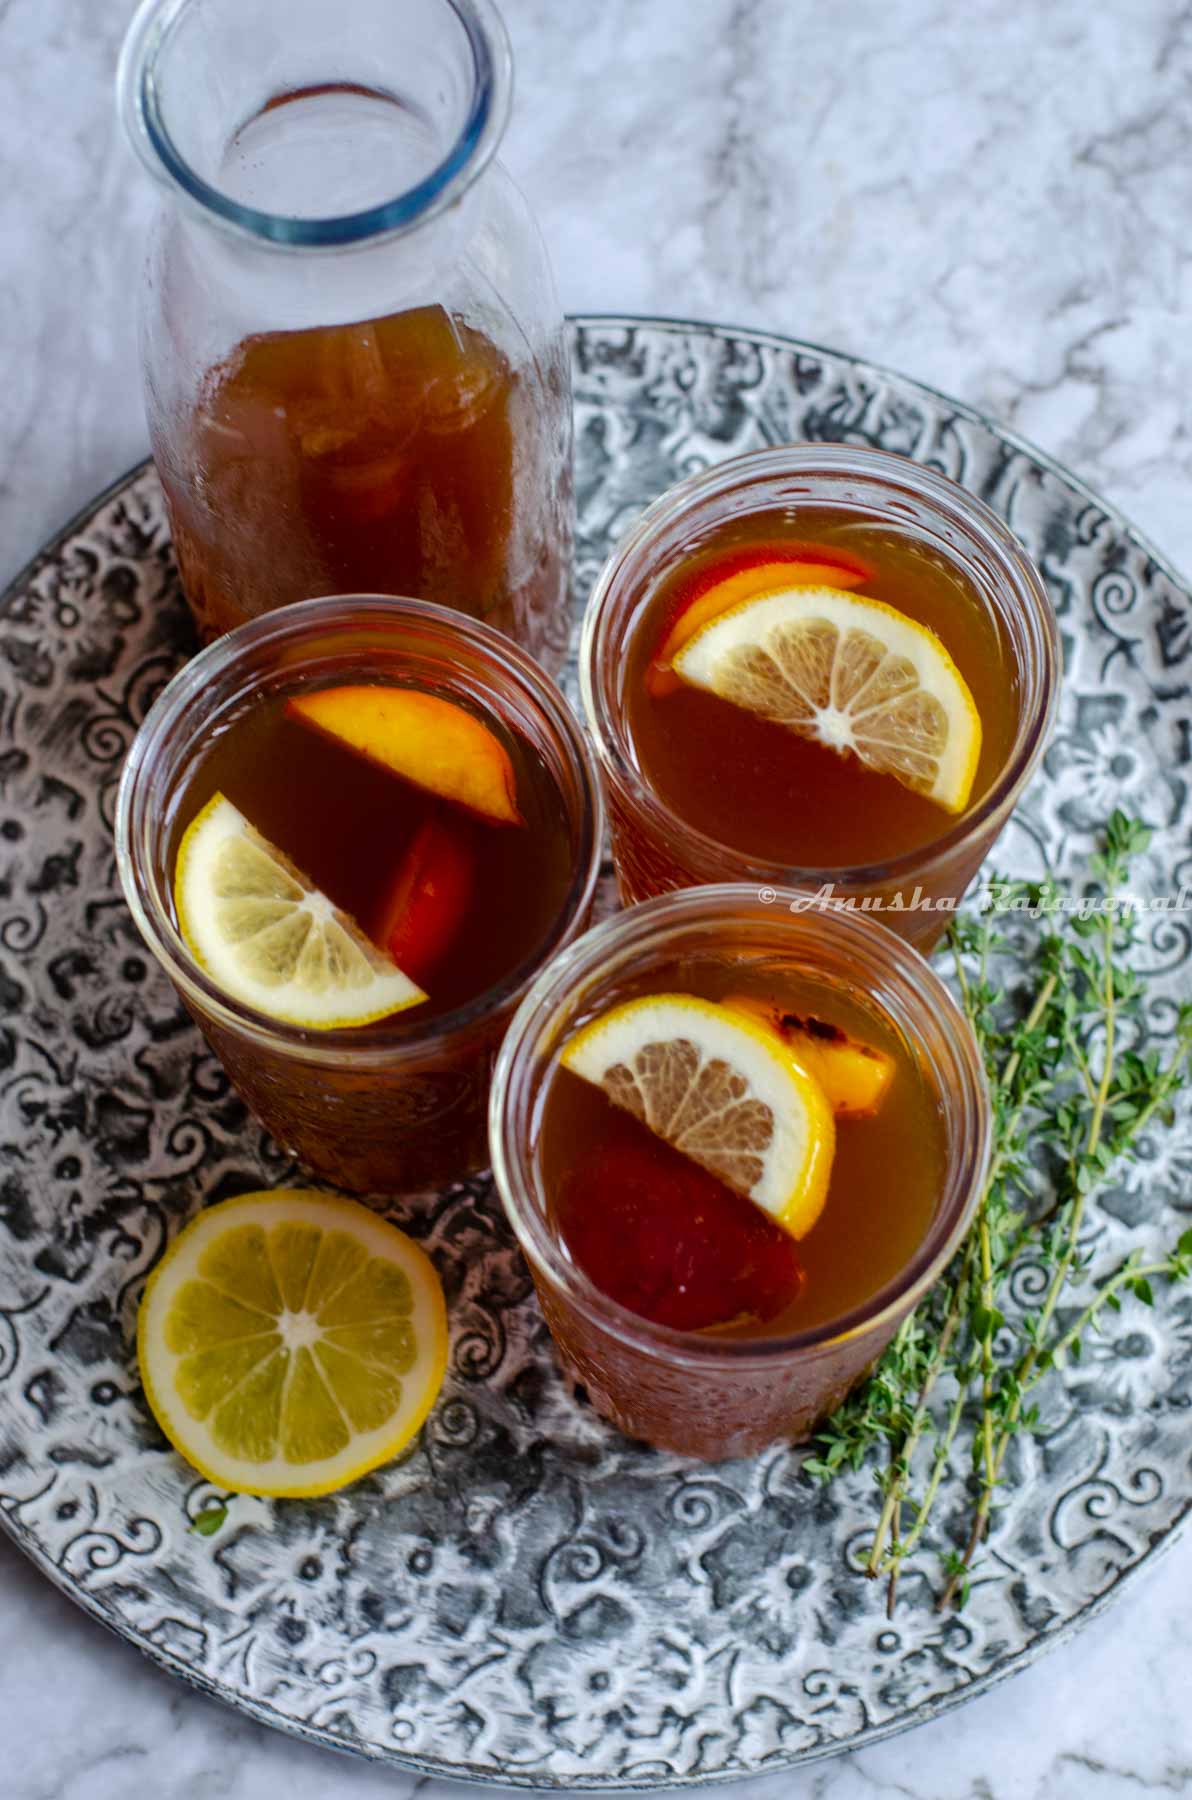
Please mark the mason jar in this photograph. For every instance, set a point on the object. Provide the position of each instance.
(354, 362)
(915, 889)
(706, 1393)
(399, 1104)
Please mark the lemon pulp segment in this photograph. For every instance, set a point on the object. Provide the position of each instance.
(269, 938)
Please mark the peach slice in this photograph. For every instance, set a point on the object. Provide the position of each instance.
(853, 1075)
(428, 898)
(439, 746)
(744, 576)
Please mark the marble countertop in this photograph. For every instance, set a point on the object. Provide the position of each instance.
(993, 199)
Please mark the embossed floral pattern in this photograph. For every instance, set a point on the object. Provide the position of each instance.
(525, 1595)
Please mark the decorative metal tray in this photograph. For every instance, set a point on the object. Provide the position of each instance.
(526, 1597)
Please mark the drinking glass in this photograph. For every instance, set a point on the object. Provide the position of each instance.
(385, 1108)
(700, 1393)
(654, 848)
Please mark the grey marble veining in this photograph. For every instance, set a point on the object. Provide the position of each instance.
(993, 198)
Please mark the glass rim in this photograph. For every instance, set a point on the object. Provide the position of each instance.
(613, 743)
(646, 927)
(138, 102)
(367, 1046)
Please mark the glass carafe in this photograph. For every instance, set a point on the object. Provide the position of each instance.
(354, 361)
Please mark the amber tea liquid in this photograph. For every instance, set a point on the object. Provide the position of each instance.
(349, 825)
(762, 789)
(365, 458)
(397, 1105)
(886, 1179)
(788, 1328)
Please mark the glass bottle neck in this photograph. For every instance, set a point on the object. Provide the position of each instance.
(304, 126)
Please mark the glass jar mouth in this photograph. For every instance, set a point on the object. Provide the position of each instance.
(136, 821)
(139, 103)
(600, 656)
(912, 991)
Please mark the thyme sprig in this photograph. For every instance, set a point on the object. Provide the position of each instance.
(1072, 1096)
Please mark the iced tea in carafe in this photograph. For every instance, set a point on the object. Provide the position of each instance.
(355, 368)
(383, 450)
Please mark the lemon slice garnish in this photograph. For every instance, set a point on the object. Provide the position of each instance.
(269, 938)
(854, 1075)
(853, 674)
(432, 742)
(721, 1088)
(290, 1341)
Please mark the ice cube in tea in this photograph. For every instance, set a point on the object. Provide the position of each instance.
(375, 457)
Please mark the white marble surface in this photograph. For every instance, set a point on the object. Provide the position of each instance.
(993, 198)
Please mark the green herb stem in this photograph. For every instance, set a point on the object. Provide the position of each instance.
(1050, 1107)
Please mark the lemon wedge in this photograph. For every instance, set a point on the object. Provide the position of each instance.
(434, 743)
(854, 1076)
(721, 1088)
(852, 673)
(269, 938)
(289, 1342)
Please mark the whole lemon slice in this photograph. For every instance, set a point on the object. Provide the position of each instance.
(291, 1341)
(853, 674)
(722, 1088)
(270, 938)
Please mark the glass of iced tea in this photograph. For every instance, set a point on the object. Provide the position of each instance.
(737, 1143)
(820, 666)
(355, 371)
(351, 832)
